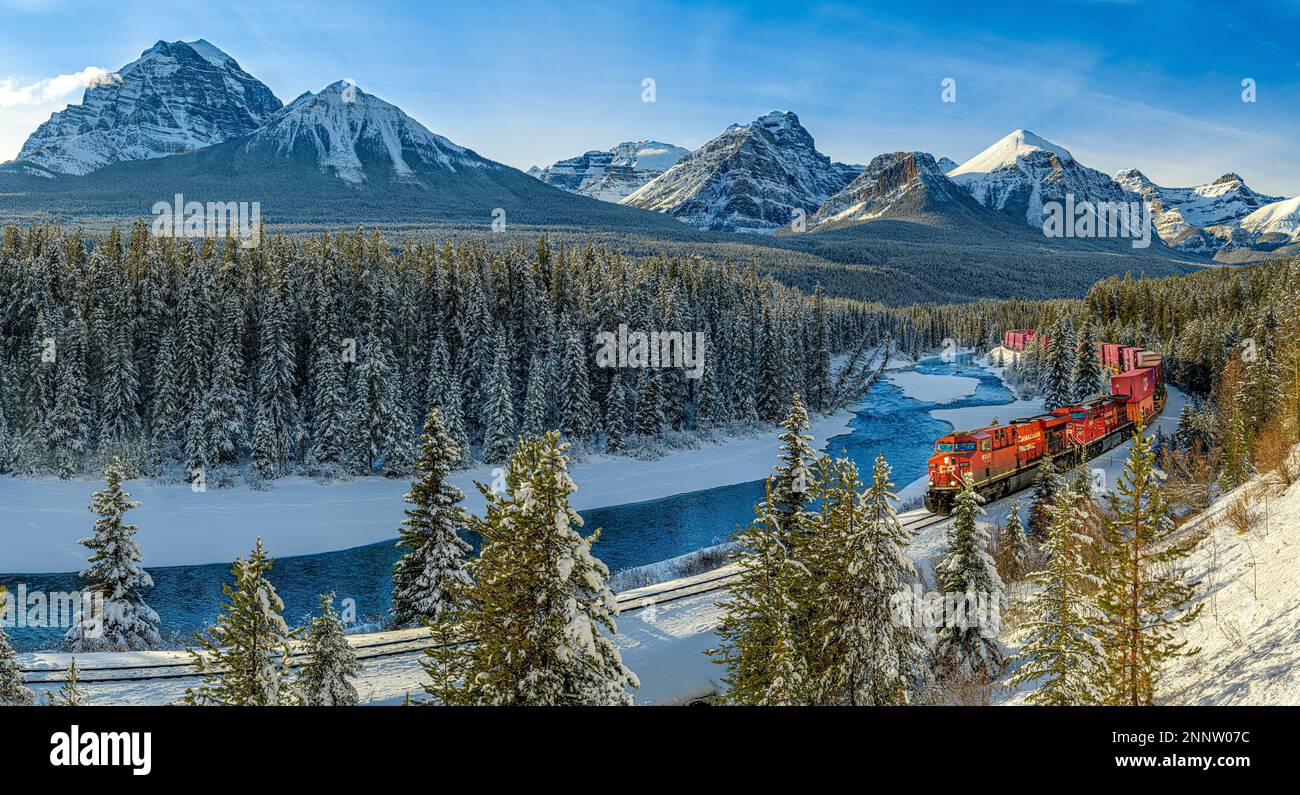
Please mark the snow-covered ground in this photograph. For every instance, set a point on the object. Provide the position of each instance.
(42, 519)
(930, 388)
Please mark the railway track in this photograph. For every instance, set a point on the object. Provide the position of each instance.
(417, 641)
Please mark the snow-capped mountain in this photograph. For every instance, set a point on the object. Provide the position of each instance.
(946, 164)
(1275, 223)
(176, 97)
(354, 136)
(751, 178)
(893, 185)
(612, 174)
(1022, 171)
(1200, 219)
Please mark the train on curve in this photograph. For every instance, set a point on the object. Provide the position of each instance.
(1003, 458)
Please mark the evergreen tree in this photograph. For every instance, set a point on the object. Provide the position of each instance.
(12, 690)
(869, 657)
(1059, 651)
(277, 428)
(1144, 595)
(1046, 484)
(536, 600)
(1017, 543)
(326, 679)
(435, 554)
(244, 657)
(123, 622)
(379, 424)
(1086, 378)
(794, 481)
(577, 414)
(649, 411)
(967, 652)
(615, 410)
(765, 663)
(536, 401)
(69, 420)
(499, 417)
(165, 407)
(1057, 366)
(70, 694)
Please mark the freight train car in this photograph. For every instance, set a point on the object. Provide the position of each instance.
(1003, 459)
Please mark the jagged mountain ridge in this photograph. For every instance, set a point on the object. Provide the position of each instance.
(1201, 219)
(751, 178)
(611, 174)
(176, 97)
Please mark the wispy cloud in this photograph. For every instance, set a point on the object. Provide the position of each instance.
(15, 93)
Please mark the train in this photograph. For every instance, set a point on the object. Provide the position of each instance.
(1004, 458)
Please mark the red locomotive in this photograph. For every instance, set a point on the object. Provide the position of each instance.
(1005, 458)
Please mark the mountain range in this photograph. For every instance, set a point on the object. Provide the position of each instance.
(185, 118)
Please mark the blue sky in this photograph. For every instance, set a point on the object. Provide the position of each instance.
(1157, 86)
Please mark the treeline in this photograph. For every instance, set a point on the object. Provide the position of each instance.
(322, 355)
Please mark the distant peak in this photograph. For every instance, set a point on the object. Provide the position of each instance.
(1007, 150)
(1229, 177)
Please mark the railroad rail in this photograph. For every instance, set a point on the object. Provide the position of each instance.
(417, 641)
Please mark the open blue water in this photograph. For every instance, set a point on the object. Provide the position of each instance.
(886, 421)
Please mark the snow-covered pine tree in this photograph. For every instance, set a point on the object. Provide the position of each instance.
(649, 410)
(967, 654)
(1086, 377)
(1054, 380)
(379, 422)
(277, 425)
(1059, 651)
(326, 679)
(69, 420)
(536, 403)
(454, 417)
(866, 657)
(119, 390)
(536, 599)
(766, 665)
(435, 553)
(124, 621)
(225, 434)
(1145, 593)
(70, 693)
(615, 414)
(12, 690)
(499, 418)
(1046, 484)
(1016, 544)
(820, 361)
(795, 481)
(577, 413)
(244, 657)
(164, 407)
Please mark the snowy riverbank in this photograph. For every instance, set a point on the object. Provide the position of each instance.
(41, 520)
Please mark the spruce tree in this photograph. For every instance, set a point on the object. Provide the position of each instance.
(1057, 367)
(1016, 543)
(499, 417)
(435, 555)
(615, 411)
(765, 663)
(69, 420)
(1059, 651)
(12, 690)
(967, 652)
(1046, 484)
(649, 411)
(244, 657)
(1086, 378)
(70, 693)
(869, 658)
(577, 413)
(536, 600)
(1145, 594)
(536, 401)
(326, 679)
(123, 622)
(793, 485)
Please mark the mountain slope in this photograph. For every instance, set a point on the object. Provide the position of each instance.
(176, 97)
(1196, 220)
(340, 157)
(612, 174)
(895, 185)
(1022, 171)
(751, 178)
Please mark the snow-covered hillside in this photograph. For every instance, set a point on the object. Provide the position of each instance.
(1276, 222)
(751, 178)
(176, 97)
(346, 130)
(893, 185)
(612, 174)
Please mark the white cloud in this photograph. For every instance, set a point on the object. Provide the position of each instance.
(51, 90)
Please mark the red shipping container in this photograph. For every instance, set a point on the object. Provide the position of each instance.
(1148, 359)
(1136, 384)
